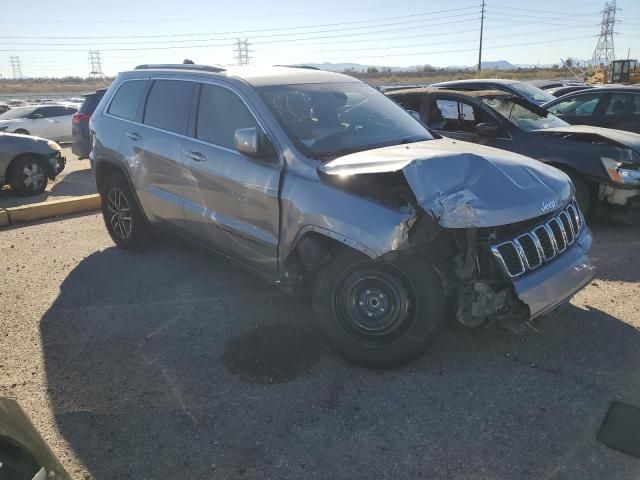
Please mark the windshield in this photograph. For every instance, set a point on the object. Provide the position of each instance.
(332, 119)
(532, 93)
(16, 113)
(521, 116)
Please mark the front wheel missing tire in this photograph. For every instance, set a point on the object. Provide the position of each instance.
(378, 314)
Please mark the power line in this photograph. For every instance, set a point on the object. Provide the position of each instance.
(242, 51)
(481, 29)
(95, 60)
(16, 67)
(604, 50)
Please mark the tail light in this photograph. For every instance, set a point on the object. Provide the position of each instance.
(79, 117)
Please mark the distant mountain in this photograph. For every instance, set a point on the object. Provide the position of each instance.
(358, 67)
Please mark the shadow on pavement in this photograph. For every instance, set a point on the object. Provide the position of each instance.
(171, 363)
(615, 251)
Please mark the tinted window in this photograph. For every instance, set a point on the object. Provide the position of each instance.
(580, 105)
(624, 103)
(48, 112)
(91, 102)
(168, 105)
(220, 113)
(127, 99)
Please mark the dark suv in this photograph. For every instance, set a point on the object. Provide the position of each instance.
(80, 123)
(321, 184)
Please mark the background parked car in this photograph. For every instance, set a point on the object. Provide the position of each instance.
(611, 107)
(27, 162)
(566, 89)
(604, 164)
(47, 121)
(80, 123)
(522, 89)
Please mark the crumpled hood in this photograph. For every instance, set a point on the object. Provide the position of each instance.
(464, 185)
(628, 139)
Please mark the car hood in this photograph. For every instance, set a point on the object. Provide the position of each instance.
(627, 139)
(464, 185)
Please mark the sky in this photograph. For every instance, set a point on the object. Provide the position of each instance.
(52, 38)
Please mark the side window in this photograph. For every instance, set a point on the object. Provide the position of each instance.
(70, 111)
(580, 105)
(56, 111)
(623, 103)
(220, 113)
(168, 105)
(452, 115)
(126, 101)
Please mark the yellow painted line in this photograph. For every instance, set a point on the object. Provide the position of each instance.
(53, 208)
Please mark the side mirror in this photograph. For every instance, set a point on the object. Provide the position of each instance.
(488, 130)
(250, 142)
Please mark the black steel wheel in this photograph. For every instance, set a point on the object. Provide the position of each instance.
(124, 221)
(378, 314)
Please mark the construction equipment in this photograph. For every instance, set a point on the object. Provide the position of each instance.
(618, 71)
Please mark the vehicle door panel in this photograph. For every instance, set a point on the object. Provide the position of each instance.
(622, 112)
(231, 201)
(161, 170)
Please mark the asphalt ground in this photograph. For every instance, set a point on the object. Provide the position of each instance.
(170, 362)
(76, 179)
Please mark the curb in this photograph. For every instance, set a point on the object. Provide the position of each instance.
(53, 208)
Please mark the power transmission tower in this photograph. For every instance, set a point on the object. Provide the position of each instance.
(95, 59)
(481, 29)
(604, 52)
(15, 65)
(242, 51)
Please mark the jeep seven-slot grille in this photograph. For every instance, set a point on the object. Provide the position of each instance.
(541, 244)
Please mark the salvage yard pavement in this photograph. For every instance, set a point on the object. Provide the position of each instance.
(172, 363)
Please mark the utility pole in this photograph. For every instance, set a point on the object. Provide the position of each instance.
(242, 51)
(95, 60)
(17, 68)
(604, 52)
(481, 29)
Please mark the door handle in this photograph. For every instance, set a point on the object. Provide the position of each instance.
(196, 156)
(133, 136)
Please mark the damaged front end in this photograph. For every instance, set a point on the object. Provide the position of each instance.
(503, 231)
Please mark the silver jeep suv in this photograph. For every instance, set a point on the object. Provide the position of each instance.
(324, 186)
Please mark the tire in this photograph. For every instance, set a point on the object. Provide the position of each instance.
(22, 131)
(583, 194)
(27, 175)
(378, 314)
(125, 223)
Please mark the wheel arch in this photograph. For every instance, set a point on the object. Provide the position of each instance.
(18, 157)
(104, 167)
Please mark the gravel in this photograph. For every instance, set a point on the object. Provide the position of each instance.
(171, 363)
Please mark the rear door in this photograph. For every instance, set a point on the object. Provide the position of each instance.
(161, 172)
(231, 199)
(623, 112)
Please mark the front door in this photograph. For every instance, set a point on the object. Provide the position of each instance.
(231, 201)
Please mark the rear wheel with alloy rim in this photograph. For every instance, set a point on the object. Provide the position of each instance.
(28, 175)
(378, 314)
(125, 223)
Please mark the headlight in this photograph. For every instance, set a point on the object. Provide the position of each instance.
(626, 176)
(53, 146)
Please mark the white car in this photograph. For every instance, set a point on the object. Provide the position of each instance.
(46, 121)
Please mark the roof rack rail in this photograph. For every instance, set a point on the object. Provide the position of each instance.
(180, 66)
(306, 67)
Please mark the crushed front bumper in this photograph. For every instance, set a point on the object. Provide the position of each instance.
(546, 288)
(56, 164)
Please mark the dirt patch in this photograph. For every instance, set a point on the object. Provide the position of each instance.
(272, 354)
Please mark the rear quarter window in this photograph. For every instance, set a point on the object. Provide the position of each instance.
(168, 105)
(127, 99)
(90, 103)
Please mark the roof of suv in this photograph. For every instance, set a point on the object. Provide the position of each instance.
(466, 93)
(497, 81)
(256, 76)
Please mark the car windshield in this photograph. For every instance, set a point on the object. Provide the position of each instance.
(328, 120)
(522, 116)
(16, 113)
(532, 93)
